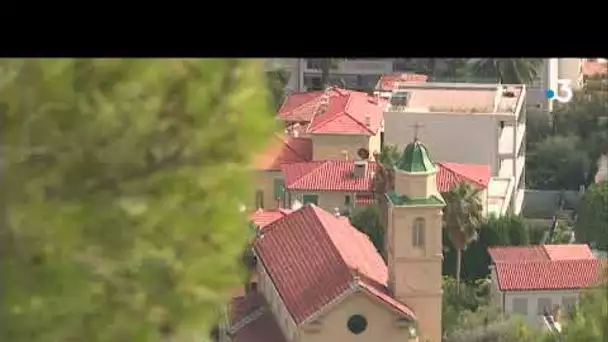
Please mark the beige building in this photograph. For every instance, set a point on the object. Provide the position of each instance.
(467, 123)
(540, 281)
(319, 279)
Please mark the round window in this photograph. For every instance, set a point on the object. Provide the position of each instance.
(356, 324)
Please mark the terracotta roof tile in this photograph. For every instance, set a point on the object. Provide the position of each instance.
(387, 82)
(300, 107)
(283, 151)
(548, 274)
(540, 253)
(593, 68)
(347, 112)
(247, 325)
(450, 174)
(518, 253)
(329, 175)
(262, 218)
(569, 252)
(310, 255)
(336, 175)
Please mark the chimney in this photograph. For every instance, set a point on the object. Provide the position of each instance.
(368, 120)
(345, 154)
(337, 212)
(359, 171)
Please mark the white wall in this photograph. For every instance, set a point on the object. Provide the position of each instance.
(466, 138)
(278, 308)
(506, 298)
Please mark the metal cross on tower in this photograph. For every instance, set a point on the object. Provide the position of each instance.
(416, 127)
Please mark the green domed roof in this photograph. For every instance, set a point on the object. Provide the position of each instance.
(415, 158)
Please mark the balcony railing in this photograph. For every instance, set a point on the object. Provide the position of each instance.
(506, 168)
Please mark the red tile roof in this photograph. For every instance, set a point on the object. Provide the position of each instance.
(548, 274)
(593, 68)
(387, 82)
(283, 151)
(336, 175)
(517, 253)
(540, 253)
(251, 321)
(300, 107)
(328, 175)
(450, 174)
(313, 257)
(262, 218)
(347, 112)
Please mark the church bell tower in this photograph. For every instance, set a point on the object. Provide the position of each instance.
(414, 239)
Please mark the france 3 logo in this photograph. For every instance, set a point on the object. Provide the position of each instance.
(563, 94)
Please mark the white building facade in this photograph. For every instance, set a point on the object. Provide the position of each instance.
(467, 123)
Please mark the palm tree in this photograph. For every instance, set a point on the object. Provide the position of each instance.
(507, 70)
(462, 216)
(325, 65)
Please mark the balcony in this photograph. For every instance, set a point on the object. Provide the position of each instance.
(506, 168)
(358, 67)
(505, 142)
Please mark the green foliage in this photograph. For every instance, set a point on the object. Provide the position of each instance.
(581, 129)
(367, 219)
(509, 230)
(588, 322)
(592, 223)
(276, 81)
(123, 182)
(507, 70)
(462, 216)
(558, 162)
(469, 316)
(389, 155)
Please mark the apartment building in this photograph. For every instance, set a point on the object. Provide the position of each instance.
(356, 73)
(467, 123)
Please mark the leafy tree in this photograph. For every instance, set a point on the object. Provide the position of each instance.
(277, 80)
(462, 216)
(592, 222)
(122, 183)
(468, 315)
(367, 219)
(558, 162)
(588, 321)
(507, 70)
(508, 230)
(586, 117)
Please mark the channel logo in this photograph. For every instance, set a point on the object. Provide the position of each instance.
(563, 94)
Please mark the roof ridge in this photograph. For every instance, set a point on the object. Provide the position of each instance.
(306, 102)
(320, 163)
(538, 261)
(272, 225)
(323, 122)
(346, 111)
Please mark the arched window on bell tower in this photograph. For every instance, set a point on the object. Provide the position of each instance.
(418, 232)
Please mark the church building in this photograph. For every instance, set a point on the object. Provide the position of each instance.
(318, 279)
